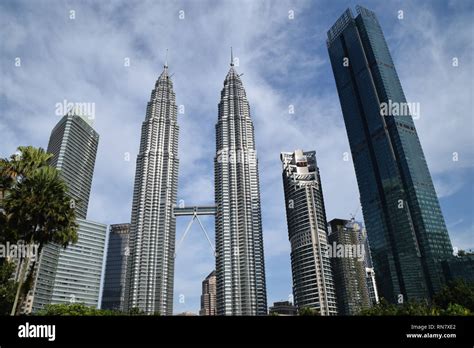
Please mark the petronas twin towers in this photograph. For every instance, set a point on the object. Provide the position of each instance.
(150, 270)
(240, 269)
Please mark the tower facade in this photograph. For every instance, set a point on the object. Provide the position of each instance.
(406, 228)
(313, 284)
(240, 269)
(73, 274)
(348, 267)
(116, 267)
(79, 268)
(150, 270)
(73, 143)
(208, 297)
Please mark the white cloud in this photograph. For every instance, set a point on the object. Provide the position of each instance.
(284, 62)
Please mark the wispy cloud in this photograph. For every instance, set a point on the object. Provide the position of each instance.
(284, 62)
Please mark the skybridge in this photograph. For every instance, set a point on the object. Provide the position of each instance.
(194, 212)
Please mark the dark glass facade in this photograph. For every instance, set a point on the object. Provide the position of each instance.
(116, 267)
(406, 229)
(460, 268)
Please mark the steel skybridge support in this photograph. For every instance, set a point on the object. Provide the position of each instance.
(194, 212)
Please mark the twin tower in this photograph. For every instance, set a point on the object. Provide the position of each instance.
(240, 270)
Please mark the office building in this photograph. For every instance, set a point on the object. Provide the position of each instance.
(208, 297)
(459, 267)
(405, 225)
(116, 267)
(284, 308)
(74, 274)
(73, 143)
(59, 275)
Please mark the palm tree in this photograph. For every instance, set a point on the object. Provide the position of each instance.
(14, 170)
(36, 206)
(24, 162)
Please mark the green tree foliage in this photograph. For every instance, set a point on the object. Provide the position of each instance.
(136, 311)
(80, 309)
(457, 292)
(7, 286)
(74, 309)
(456, 298)
(307, 311)
(34, 207)
(39, 209)
(408, 308)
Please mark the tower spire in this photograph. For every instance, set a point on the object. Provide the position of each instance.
(241, 281)
(153, 223)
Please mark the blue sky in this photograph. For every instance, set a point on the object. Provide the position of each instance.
(284, 62)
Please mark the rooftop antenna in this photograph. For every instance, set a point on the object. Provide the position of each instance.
(231, 57)
(166, 59)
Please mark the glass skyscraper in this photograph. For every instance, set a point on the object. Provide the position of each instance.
(73, 274)
(406, 228)
(73, 143)
(116, 267)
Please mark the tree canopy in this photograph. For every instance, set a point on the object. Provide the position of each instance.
(35, 208)
(456, 298)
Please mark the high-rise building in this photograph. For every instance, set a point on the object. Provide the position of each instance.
(313, 284)
(79, 269)
(73, 143)
(406, 229)
(45, 275)
(208, 297)
(460, 267)
(240, 269)
(116, 267)
(283, 308)
(150, 270)
(348, 267)
(73, 274)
